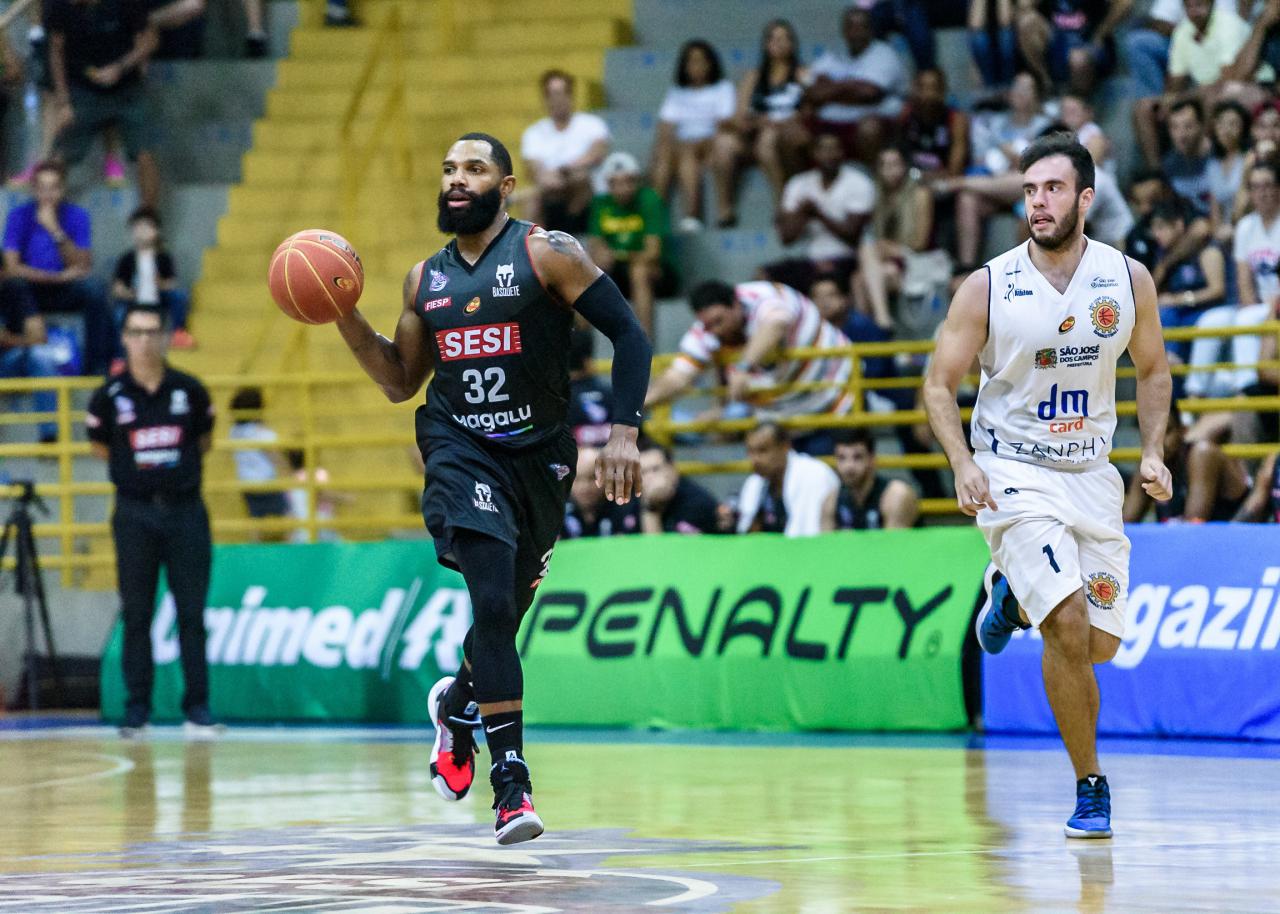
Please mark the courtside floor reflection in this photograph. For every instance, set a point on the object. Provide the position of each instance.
(344, 819)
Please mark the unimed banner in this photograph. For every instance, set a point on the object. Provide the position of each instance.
(844, 631)
(1201, 653)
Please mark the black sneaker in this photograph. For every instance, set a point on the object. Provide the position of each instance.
(134, 725)
(516, 820)
(201, 725)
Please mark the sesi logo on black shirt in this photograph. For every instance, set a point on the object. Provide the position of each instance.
(502, 366)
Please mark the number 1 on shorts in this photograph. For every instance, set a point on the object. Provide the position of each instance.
(1053, 563)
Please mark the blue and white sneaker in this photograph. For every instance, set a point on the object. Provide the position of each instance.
(998, 619)
(1092, 818)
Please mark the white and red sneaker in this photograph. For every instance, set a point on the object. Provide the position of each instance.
(453, 755)
(513, 800)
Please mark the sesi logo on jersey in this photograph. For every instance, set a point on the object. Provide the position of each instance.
(478, 342)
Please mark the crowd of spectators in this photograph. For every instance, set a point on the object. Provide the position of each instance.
(887, 190)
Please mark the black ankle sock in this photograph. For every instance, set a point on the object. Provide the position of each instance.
(504, 733)
(459, 695)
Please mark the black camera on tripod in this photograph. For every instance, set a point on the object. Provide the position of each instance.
(19, 529)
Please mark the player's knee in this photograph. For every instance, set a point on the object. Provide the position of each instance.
(1103, 646)
(1066, 628)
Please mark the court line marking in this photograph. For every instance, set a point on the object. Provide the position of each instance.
(121, 765)
(1003, 851)
(695, 889)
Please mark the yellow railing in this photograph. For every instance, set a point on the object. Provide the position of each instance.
(74, 537)
(67, 536)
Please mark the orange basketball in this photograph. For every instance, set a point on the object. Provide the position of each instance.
(315, 276)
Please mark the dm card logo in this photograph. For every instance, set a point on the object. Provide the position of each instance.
(1105, 314)
(1103, 589)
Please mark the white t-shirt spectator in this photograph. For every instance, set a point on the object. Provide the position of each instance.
(698, 347)
(807, 485)
(551, 147)
(697, 110)
(878, 64)
(1202, 59)
(992, 131)
(1175, 11)
(1109, 218)
(253, 466)
(1259, 246)
(851, 192)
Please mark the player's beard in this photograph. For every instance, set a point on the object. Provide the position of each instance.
(472, 220)
(1066, 229)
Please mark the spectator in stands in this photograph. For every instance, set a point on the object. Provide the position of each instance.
(787, 492)
(1207, 484)
(1078, 116)
(590, 398)
(1191, 284)
(695, 134)
(22, 335)
(754, 320)
(1257, 258)
(768, 127)
(857, 93)
(910, 19)
(47, 258)
(252, 465)
(823, 213)
(673, 503)
(1072, 42)
(1259, 60)
(935, 135)
(588, 513)
(1229, 136)
(1148, 189)
(560, 153)
(1202, 58)
(1147, 47)
(98, 51)
(1262, 506)
(145, 275)
(11, 77)
(1187, 163)
(902, 225)
(992, 42)
(993, 185)
(299, 500)
(627, 236)
(868, 500)
(1109, 219)
(1264, 143)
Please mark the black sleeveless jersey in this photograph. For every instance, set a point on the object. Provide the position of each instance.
(866, 516)
(500, 343)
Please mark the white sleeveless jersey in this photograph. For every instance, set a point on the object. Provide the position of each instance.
(1048, 391)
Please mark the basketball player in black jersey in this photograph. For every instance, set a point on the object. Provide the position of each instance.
(491, 315)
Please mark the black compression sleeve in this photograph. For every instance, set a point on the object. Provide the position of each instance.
(608, 311)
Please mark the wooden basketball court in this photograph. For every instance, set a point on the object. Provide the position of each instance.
(344, 820)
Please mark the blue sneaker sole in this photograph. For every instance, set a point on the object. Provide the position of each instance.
(988, 585)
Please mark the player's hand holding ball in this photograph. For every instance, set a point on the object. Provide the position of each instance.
(316, 276)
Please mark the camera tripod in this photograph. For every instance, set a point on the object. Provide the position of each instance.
(29, 585)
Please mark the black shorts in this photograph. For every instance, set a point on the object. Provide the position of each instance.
(515, 497)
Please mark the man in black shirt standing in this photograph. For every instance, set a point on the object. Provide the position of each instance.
(492, 314)
(672, 503)
(153, 425)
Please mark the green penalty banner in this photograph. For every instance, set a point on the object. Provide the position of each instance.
(845, 631)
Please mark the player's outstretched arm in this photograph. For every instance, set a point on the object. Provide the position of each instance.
(963, 335)
(1155, 386)
(398, 366)
(567, 271)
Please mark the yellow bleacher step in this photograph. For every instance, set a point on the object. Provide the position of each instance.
(480, 13)
(570, 34)
(316, 104)
(432, 134)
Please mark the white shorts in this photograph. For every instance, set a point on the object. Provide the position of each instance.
(1059, 531)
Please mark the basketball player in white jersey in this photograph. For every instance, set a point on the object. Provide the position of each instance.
(1047, 321)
